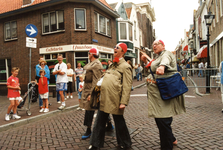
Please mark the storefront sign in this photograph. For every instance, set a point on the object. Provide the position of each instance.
(74, 47)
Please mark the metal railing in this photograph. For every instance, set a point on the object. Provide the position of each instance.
(197, 77)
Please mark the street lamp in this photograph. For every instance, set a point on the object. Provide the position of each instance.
(191, 50)
(208, 20)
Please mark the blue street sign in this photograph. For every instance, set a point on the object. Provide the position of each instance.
(31, 30)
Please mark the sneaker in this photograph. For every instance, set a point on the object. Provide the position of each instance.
(41, 110)
(95, 115)
(87, 134)
(7, 118)
(59, 102)
(61, 107)
(71, 96)
(46, 110)
(83, 109)
(16, 117)
(78, 108)
(67, 96)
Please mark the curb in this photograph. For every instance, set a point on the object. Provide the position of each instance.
(33, 119)
(140, 85)
(196, 89)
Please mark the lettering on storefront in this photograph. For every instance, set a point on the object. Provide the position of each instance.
(53, 49)
(78, 47)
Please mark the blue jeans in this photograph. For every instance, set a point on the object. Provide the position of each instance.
(137, 76)
(58, 95)
(79, 94)
(77, 81)
(200, 73)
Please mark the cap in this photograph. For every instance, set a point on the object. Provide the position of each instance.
(123, 46)
(94, 51)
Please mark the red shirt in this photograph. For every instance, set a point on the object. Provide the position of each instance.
(13, 81)
(43, 87)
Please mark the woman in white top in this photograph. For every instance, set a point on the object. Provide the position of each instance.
(70, 74)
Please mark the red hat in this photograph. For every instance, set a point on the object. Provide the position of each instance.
(94, 51)
(123, 46)
(161, 42)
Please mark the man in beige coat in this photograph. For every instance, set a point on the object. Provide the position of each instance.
(115, 93)
(93, 74)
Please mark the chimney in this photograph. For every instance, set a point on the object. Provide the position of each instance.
(25, 2)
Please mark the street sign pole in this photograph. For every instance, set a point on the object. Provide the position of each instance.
(30, 54)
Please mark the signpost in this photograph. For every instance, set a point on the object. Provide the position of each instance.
(31, 32)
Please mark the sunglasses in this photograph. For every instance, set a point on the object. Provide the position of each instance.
(42, 64)
(58, 67)
(116, 47)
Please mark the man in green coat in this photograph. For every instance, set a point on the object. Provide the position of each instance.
(115, 94)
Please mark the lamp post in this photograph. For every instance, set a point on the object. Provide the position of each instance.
(208, 20)
(191, 49)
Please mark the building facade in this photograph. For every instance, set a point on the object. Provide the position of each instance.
(68, 27)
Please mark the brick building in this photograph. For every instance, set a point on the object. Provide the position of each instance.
(69, 27)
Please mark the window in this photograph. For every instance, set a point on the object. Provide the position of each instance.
(81, 54)
(10, 30)
(135, 30)
(123, 32)
(216, 5)
(130, 32)
(102, 24)
(53, 21)
(108, 27)
(5, 69)
(80, 19)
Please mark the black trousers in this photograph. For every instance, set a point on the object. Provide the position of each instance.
(88, 118)
(98, 134)
(69, 87)
(165, 131)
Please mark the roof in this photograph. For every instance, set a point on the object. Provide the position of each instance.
(128, 11)
(10, 5)
(113, 5)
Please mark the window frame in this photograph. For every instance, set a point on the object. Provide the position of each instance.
(127, 24)
(106, 25)
(7, 70)
(85, 20)
(10, 24)
(49, 22)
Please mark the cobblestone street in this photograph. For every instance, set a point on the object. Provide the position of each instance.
(199, 128)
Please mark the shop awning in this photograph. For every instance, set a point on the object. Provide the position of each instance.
(202, 52)
(195, 59)
(185, 48)
(130, 54)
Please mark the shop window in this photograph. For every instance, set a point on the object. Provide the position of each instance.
(54, 56)
(11, 30)
(123, 32)
(81, 54)
(5, 69)
(102, 55)
(53, 21)
(80, 19)
(47, 56)
(102, 24)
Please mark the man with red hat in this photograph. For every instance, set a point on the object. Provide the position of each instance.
(114, 97)
(93, 74)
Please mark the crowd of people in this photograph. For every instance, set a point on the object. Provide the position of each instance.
(107, 92)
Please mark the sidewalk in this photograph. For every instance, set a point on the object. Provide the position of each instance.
(35, 114)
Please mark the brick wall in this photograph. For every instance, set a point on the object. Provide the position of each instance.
(19, 54)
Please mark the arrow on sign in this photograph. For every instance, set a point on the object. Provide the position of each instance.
(32, 31)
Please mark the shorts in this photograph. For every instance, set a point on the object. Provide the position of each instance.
(44, 96)
(62, 86)
(15, 98)
(79, 94)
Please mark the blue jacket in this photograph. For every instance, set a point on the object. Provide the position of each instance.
(46, 68)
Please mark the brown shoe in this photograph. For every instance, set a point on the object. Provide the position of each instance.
(175, 142)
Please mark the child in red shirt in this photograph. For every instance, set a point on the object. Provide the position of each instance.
(13, 93)
(43, 90)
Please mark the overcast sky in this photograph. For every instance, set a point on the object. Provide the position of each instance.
(172, 17)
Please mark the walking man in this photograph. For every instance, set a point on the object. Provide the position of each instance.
(60, 70)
